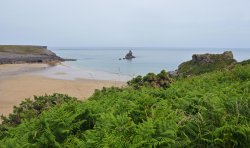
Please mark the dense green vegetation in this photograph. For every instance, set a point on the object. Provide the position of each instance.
(29, 109)
(161, 80)
(22, 49)
(209, 110)
(245, 62)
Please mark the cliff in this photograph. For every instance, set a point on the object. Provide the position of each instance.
(202, 63)
(14, 54)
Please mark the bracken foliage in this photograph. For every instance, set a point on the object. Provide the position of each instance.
(161, 80)
(29, 109)
(210, 110)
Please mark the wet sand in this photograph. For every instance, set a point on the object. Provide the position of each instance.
(17, 83)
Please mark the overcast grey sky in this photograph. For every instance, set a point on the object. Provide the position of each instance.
(169, 23)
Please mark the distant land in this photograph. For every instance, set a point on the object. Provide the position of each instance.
(16, 54)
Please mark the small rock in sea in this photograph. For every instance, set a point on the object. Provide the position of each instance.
(129, 55)
(120, 58)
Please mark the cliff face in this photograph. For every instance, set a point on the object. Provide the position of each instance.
(202, 63)
(211, 58)
(13, 54)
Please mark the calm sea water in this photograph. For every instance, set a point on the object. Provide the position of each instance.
(147, 59)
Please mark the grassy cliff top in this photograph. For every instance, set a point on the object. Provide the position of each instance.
(202, 63)
(23, 49)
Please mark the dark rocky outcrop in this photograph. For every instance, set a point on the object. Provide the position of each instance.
(202, 63)
(210, 58)
(15, 54)
(173, 73)
(129, 55)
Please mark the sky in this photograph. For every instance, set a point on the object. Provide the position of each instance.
(149, 23)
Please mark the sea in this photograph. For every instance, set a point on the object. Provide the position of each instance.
(107, 62)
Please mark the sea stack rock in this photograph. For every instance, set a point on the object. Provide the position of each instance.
(129, 55)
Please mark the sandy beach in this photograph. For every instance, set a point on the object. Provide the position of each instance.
(18, 81)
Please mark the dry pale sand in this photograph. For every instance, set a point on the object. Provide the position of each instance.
(17, 87)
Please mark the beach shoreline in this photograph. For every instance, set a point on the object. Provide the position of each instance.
(10, 70)
(20, 81)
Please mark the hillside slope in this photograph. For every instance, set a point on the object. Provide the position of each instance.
(209, 110)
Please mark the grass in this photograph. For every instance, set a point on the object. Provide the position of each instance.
(22, 49)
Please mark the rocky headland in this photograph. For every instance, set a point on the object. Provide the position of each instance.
(16, 54)
(203, 63)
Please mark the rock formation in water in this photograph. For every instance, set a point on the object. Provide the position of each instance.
(129, 55)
